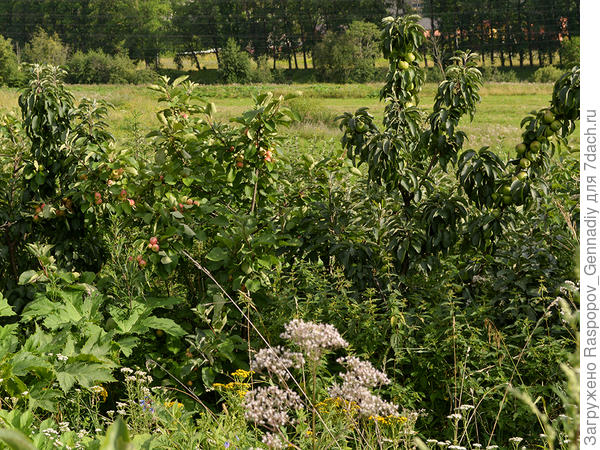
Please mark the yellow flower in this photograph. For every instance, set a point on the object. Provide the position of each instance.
(101, 391)
(173, 403)
(242, 374)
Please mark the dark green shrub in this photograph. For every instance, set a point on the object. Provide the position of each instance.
(497, 75)
(96, 67)
(262, 73)
(348, 56)
(44, 48)
(548, 74)
(9, 67)
(569, 52)
(234, 65)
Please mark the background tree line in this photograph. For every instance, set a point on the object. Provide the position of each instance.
(513, 31)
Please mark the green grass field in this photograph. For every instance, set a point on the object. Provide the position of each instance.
(496, 123)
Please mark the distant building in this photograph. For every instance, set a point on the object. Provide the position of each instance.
(400, 7)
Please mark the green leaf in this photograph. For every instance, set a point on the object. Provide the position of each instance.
(117, 437)
(179, 80)
(16, 440)
(31, 276)
(167, 325)
(65, 380)
(217, 254)
(5, 309)
(87, 374)
(188, 231)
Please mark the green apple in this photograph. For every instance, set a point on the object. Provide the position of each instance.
(524, 163)
(535, 146)
(556, 125)
(548, 117)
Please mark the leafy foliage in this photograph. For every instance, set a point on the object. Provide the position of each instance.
(182, 253)
(234, 65)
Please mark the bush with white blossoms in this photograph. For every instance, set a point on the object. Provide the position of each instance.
(277, 361)
(270, 407)
(313, 338)
(357, 381)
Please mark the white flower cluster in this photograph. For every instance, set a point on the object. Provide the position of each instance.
(276, 360)
(362, 372)
(359, 378)
(272, 440)
(313, 338)
(269, 405)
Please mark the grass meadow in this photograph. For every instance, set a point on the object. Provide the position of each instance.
(496, 123)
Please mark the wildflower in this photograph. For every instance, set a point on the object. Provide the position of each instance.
(276, 360)
(516, 440)
(272, 440)
(457, 447)
(269, 405)
(101, 391)
(140, 373)
(227, 444)
(477, 445)
(313, 338)
(63, 427)
(465, 407)
(174, 403)
(146, 404)
(48, 432)
(491, 447)
(241, 373)
(431, 441)
(359, 377)
(455, 416)
(126, 370)
(61, 357)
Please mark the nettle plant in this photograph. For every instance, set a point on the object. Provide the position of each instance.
(416, 153)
